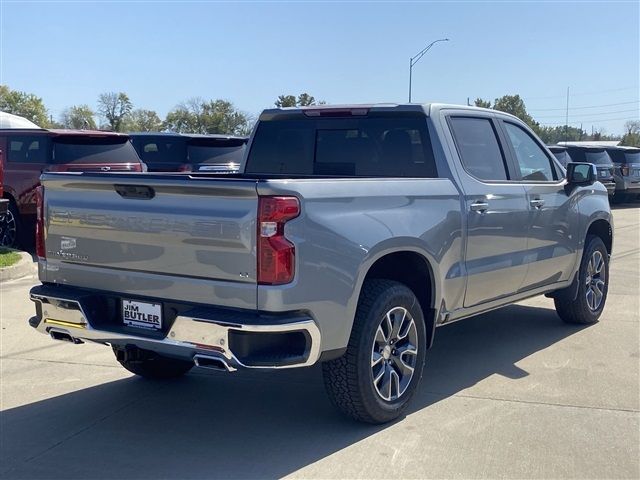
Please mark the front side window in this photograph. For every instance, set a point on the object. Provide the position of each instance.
(28, 149)
(479, 148)
(533, 161)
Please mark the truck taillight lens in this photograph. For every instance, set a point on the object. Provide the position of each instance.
(276, 254)
(185, 167)
(40, 248)
(624, 170)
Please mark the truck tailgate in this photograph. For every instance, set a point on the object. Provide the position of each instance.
(166, 236)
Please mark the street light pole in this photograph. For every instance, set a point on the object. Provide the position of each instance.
(415, 59)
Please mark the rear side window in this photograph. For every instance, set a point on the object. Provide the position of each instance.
(479, 149)
(563, 157)
(532, 160)
(28, 149)
(79, 149)
(377, 146)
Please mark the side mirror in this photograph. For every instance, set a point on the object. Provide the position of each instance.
(581, 174)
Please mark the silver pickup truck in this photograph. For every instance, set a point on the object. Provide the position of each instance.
(350, 235)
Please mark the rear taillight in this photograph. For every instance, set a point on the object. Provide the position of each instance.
(624, 170)
(185, 167)
(139, 167)
(276, 254)
(40, 248)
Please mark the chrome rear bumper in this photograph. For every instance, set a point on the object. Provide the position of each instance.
(203, 336)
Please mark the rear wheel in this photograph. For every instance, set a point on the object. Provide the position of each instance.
(151, 365)
(593, 285)
(10, 227)
(377, 376)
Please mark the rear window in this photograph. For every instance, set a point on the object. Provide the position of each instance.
(161, 150)
(598, 157)
(223, 152)
(385, 146)
(632, 157)
(93, 150)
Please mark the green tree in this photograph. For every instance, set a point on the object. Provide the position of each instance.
(479, 102)
(80, 117)
(212, 116)
(514, 105)
(286, 101)
(303, 100)
(141, 120)
(631, 136)
(114, 107)
(26, 105)
(553, 135)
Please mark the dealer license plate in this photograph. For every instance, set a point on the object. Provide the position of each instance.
(142, 314)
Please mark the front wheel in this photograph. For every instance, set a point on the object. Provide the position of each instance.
(593, 285)
(381, 369)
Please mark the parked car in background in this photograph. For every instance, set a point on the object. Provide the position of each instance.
(26, 153)
(351, 233)
(175, 152)
(600, 158)
(626, 161)
(561, 154)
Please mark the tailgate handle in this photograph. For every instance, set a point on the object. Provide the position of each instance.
(139, 192)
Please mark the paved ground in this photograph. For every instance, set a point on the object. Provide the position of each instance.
(515, 393)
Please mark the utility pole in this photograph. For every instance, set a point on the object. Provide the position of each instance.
(566, 119)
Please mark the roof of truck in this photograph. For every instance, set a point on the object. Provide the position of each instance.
(361, 109)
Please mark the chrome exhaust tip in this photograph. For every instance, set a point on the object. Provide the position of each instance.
(212, 363)
(63, 336)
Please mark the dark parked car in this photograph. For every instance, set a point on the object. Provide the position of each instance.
(26, 153)
(626, 161)
(175, 152)
(561, 154)
(600, 158)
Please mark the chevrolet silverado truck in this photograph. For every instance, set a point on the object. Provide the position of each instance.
(348, 236)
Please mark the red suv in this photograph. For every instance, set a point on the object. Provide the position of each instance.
(26, 153)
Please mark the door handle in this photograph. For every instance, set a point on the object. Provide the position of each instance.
(479, 207)
(537, 203)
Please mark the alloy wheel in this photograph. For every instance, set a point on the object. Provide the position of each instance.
(8, 229)
(595, 281)
(394, 354)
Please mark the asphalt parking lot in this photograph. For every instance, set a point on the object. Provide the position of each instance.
(511, 394)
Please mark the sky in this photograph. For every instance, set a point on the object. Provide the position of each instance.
(163, 53)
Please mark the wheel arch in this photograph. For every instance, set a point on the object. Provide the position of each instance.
(412, 268)
(602, 228)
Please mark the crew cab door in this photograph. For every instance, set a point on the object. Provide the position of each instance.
(496, 210)
(553, 217)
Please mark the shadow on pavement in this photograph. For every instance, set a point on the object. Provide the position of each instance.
(248, 425)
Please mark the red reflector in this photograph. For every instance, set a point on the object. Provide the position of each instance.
(276, 254)
(40, 247)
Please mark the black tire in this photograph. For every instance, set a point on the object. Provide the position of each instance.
(349, 380)
(578, 310)
(10, 227)
(155, 367)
